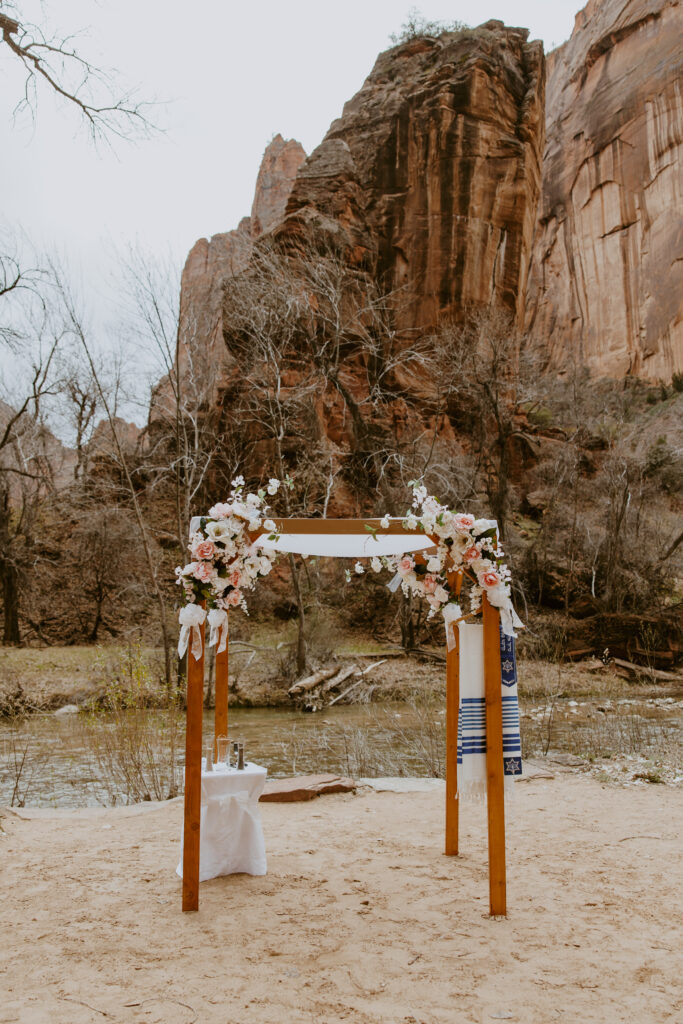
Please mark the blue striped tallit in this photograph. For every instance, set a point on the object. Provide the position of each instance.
(472, 713)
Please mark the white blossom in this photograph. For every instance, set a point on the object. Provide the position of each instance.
(359, 568)
(384, 522)
(273, 485)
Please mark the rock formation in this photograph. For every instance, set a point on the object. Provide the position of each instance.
(201, 350)
(607, 272)
(210, 261)
(431, 175)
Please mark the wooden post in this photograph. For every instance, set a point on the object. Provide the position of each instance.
(495, 797)
(193, 777)
(221, 712)
(452, 713)
(452, 708)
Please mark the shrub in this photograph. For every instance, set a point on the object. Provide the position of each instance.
(418, 27)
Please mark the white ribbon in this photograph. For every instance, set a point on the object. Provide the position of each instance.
(450, 613)
(218, 622)
(509, 619)
(191, 617)
(395, 583)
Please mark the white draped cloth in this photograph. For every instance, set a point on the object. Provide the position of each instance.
(230, 833)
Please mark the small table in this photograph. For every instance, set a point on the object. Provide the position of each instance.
(231, 834)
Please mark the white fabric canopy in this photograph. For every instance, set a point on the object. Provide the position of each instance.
(341, 545)
(347, 545)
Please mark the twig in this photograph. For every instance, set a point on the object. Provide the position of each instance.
(81, 1002)
(639, 837)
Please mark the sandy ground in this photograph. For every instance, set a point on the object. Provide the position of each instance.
(360, 918)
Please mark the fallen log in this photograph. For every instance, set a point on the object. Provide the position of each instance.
(341, 675)
(309, 682)
(657, 674)
(371, 668)
(353, 686)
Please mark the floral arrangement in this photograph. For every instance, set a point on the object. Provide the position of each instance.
(227, 560)
(464, 545)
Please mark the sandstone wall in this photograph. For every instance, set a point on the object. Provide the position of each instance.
(431, 176)
(606, 281)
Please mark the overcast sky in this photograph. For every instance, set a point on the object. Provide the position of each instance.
(233, 73)
(230, 75)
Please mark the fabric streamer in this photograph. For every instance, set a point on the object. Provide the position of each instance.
(218, 623)
(472, 713)
(191, 617)
(451, 613)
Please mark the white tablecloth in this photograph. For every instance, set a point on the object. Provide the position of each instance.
(231, 835)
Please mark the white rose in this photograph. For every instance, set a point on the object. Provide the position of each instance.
(433, 564)
(265, 565)
(253, 499)
(410, 522)
(441, 594)
(270, 526)
(219, 532)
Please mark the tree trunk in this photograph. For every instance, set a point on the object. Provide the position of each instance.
(301, 633)
(10, 598)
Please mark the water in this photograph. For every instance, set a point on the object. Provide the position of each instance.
(62, 769)
(67, 757)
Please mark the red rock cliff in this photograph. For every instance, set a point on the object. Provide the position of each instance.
(431, 176)
(607, 273)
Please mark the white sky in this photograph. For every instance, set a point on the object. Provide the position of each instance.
(233, 74)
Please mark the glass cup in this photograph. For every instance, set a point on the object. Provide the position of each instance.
(223, 748)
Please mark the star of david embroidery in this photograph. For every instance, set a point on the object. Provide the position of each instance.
(513, 767)
(507, 665)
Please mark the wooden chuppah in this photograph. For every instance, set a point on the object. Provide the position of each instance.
(494, 721)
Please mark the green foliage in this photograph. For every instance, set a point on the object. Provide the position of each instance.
(416, 26)
(677, 382)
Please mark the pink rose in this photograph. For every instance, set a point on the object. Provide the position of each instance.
(489, 579)
(463, 521)
(204, 549)
(429, 584)
(220, 511)
(202, 572)
(470, 554)
(234, 598)
(405, 565)
(235, 577)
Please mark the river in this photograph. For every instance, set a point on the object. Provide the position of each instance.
(76, 760)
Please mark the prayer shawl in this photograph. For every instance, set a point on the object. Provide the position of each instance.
(472, 714)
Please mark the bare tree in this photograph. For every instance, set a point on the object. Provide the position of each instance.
(184, 439)
(75, 325)
(485, 377)
(54, 61)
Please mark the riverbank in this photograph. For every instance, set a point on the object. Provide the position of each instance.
(360, 918)
(38, 680)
